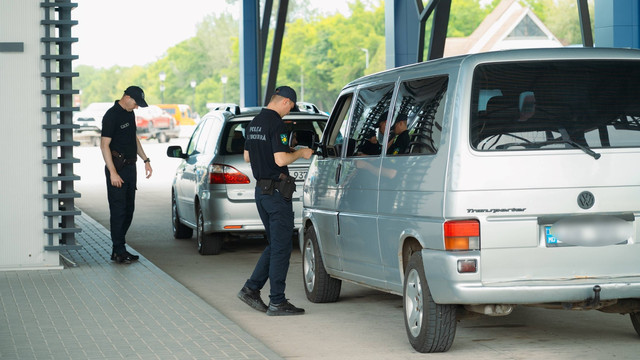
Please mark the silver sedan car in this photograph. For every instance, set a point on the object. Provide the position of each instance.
(213, 188)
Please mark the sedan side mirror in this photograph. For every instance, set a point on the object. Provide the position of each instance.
(176, 152)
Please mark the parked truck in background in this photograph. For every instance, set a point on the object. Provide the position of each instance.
(90, 122)
(181, 112)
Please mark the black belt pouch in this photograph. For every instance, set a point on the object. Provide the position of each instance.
(287, 187)
(118, 160)
(266, 186)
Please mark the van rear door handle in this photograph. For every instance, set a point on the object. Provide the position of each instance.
(338, 173)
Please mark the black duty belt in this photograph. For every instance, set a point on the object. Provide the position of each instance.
(125, 161)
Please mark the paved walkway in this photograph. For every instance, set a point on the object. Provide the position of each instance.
(103, 310)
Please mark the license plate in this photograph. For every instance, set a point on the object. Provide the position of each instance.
(601, 231)
(299, 175)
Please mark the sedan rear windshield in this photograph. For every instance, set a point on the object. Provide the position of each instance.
(556, 105)
(234, 132)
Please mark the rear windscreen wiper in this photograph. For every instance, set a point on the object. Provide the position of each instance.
(581, 147)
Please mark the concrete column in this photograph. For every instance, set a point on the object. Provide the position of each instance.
(617, 23)
(401, 33)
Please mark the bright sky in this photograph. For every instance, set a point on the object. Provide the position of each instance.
(137, 32)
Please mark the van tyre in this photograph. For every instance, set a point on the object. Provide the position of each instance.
(208, 244)
(635, 320)
(180, 231)
(430, 327)
(318, 285)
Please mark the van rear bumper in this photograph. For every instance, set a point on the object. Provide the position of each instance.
(447, 286)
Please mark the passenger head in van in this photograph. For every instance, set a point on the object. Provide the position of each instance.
(400, 144)
(371, 146)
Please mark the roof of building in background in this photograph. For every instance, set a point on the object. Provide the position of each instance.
(509, 26)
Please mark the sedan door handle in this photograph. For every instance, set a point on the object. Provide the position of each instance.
(338, 173)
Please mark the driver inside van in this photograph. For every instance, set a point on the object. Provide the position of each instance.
(400, 144)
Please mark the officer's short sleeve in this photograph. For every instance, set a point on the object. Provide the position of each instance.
(280, 140)
(108, 124)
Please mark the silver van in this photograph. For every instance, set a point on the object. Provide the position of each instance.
(479, 183)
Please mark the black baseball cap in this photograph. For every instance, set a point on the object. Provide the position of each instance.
(381, 119)
(290, 94)
(136, 94)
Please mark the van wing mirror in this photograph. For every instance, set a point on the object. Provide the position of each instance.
(176, 152)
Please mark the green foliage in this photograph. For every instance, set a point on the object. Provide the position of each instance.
(320, 54)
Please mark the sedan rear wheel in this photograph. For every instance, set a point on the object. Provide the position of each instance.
(208, 244)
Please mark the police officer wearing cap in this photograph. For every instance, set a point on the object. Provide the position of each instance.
(268, 151)
(119, 146)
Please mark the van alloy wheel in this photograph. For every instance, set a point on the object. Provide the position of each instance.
(431, 327)
(319, 286)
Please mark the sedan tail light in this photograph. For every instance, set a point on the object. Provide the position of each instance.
(225, 174)
(462, 235)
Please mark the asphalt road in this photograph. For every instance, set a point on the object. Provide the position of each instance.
(364, 323)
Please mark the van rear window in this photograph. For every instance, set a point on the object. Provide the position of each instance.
(555, 105)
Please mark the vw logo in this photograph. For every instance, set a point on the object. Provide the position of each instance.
(586, 200)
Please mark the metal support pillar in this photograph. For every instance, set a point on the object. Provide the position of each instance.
(585, 23)
(276, 49)
(249, 54)
(439, 28)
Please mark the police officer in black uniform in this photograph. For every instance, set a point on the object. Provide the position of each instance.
(120, 145)
(268, 151)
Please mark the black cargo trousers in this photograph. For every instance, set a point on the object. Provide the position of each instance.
(121, 205)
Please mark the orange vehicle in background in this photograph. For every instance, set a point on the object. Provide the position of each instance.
(181, 112)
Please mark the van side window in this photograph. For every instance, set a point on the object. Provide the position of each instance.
(372, 107)
(335, 133)
(417, 122)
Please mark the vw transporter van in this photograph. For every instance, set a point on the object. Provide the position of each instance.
(481, 183)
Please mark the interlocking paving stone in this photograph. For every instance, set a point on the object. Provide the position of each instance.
(102, 310)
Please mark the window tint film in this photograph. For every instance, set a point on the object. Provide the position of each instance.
(417, 120)
(555, 105)
(371, 108)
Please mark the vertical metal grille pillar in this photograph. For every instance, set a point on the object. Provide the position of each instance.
(58, 93)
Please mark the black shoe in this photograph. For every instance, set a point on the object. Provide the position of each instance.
(122, 258)
(284, 308)
(252, 298)
(132, 256)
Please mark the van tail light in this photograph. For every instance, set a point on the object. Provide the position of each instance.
(225, 174)
(462, 235)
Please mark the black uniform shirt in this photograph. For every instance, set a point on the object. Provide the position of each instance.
(400, 144)
(265, 136)
(120, 125)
